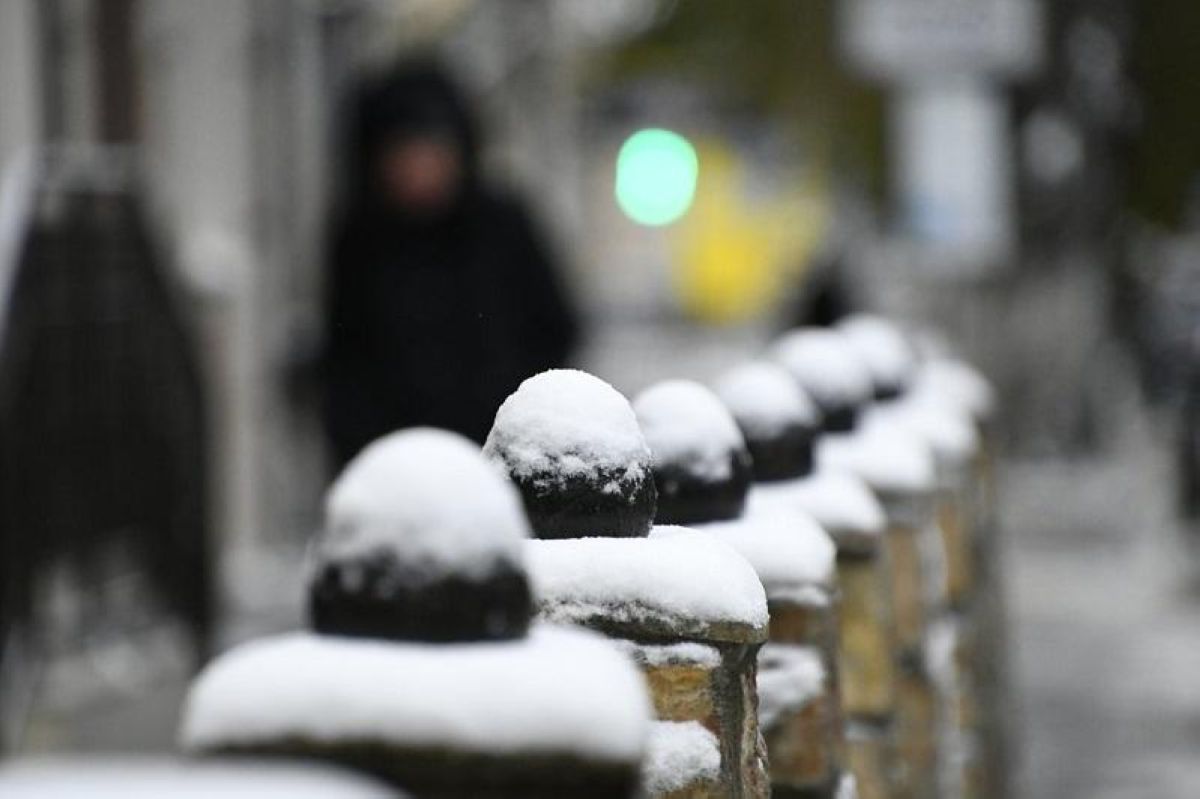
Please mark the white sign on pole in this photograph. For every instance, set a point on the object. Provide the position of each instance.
(907, 40)
(952, 170)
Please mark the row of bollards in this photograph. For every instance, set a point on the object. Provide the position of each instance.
(778, 586)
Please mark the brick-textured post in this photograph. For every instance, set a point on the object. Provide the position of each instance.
(703, 467)
(691, 611)
(780, 423)
(956, 406)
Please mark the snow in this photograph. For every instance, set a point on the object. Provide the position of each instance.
(944, 426)
(786, 548)
(825, 365)
(789, 677)
(679, 753)
(889, 357)
(559, 691)
(766, 400)
(428, 497)
(837, 500)
(147, 778)
(675, 577)
(686, 425)
(567, 423)
(687, 653)
(960, 383)
(890, 458)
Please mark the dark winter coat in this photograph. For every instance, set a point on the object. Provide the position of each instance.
(432, 322)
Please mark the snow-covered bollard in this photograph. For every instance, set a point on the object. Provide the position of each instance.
(423, 669)
(689, 609)
(954, 405)
(827, 367)
(900, 469)
(780, 423)
(702, 471)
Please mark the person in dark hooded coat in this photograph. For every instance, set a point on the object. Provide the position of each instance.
(442, 295)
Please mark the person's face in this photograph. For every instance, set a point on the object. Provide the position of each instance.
(421, 174)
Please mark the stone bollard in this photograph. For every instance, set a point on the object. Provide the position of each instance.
(689, 609)
(899, 468)
(422, 669)
(900, 473)
(780, 423)
(925, 537)
(702, 470)
(972, 643)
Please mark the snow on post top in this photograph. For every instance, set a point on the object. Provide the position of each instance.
(837, 500)
(960, 383)
(765, 399)
(889, 357)
(428, 497)
(666, 586)
(947, 427)
(422, 541)
(890, 458)
(787, 548)
(559, 692)
(777, 417)
(701, 464)
(685, 424)
(572, 444)
(829, 369)
(566, 422)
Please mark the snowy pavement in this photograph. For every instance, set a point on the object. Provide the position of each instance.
(1105, 625)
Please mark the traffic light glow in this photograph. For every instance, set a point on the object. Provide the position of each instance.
(656, 176)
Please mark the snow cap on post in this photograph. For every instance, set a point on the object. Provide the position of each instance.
(891, 459)
(422, 541)
(960, 383)
(888, 355)
(828, 369)
(778, 420)
(572, 445)
(701, 464)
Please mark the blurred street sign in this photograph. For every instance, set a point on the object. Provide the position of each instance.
(952, 171)
(906, 40)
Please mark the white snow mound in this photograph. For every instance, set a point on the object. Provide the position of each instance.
(567, 423)
(153, 778)
(559, 691)
(428, 497)
(683, 580)
(789, 677)
(678, 754)
(765, 399)
(837, 500)
(889, 458)
(960, 383)
(882, 347)
(686, 425)
(947, 427)
(786, 548)
(825, 365)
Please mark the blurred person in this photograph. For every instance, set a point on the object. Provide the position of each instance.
(441, 293)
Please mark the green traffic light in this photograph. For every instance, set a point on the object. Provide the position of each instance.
(656, 176)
